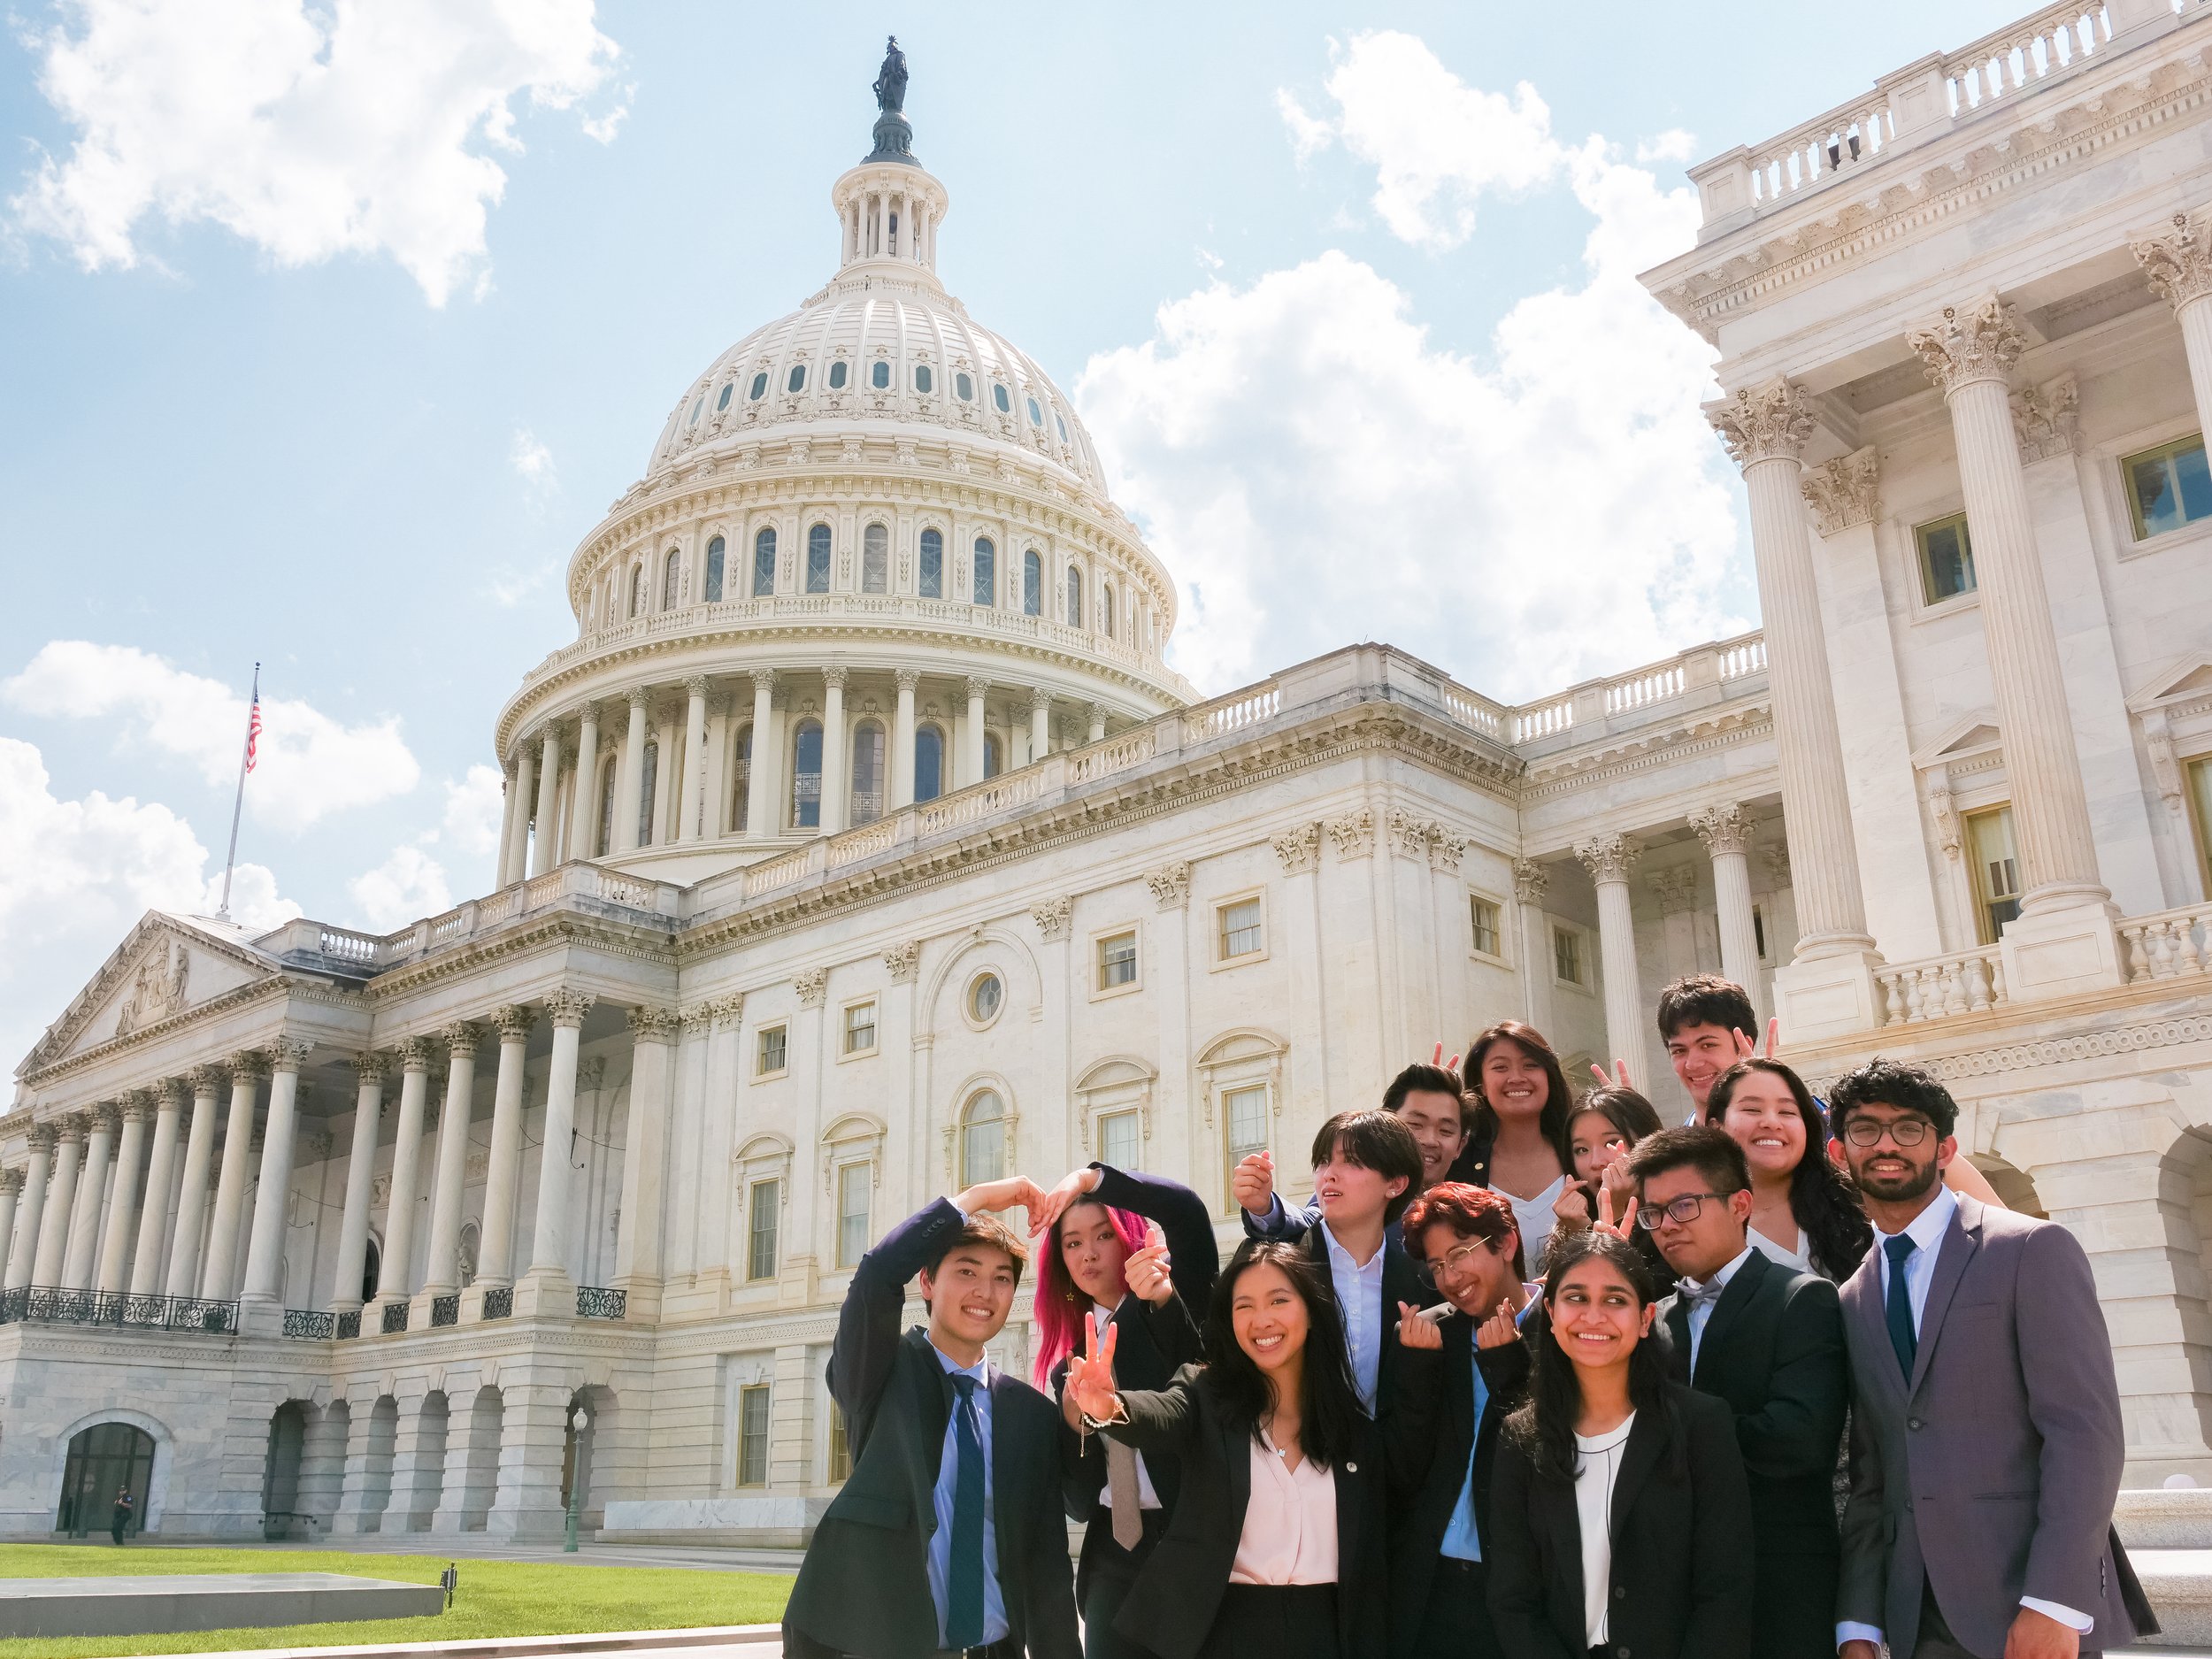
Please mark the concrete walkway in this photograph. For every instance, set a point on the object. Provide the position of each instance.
(476, 1546)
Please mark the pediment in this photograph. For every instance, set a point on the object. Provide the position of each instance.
(2176, 686)
(1974, 736)
(166, 966)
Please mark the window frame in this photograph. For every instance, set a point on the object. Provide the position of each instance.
(2166, 451)
(1578, 939)
(754, 1231)
(748, 1439)
(822, 540)
(1929, 599)
(861, 1171)
(839, 374)
(1987, 929)
(845, 1049)
(1230, 1149)
(717, 564)
(983, 590)
(1135, 1116)
(1221, 941)
(765, 543)
(795, 804)
(964, 1120)
(1477, 897)
(979, 1022)
(936, 730)
(875, 556)
(880, 375)
(780, 1030)
(1099, 939)
(923, 575)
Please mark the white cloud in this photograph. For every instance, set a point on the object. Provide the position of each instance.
(307, 765)
(472, 810)
(1436, 143)
(307, 130)
(405, 887)
(1315, 471)
(76, 875)
(531, 458)
(1674, 144)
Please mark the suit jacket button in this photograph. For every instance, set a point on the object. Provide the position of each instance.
(1912, 1423)
(1620, 1592)
(1351, 1469)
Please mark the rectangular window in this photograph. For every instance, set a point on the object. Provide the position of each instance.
(1566, 955)
(860, 1028)
(1483, 914)
(855, 1182)
(1240, 931)
(752, 1435)
(764, 1205)
(775, 1052)
(2167, 487)
(1118, 1134)
(1118, 960)
(1759, 929)
(1996, 870)
(1947, 558)
(1244, 1116)
(2201, 814)
(841, 1450)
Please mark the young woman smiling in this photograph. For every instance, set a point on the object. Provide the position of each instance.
(1805, 1213)
(1520, 1118)
(1275, 1544)
(1623, 1516)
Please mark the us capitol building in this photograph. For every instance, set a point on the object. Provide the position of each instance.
(862, 843)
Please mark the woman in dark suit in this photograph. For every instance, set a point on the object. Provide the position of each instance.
(1622, 1515)
(1275, 1545)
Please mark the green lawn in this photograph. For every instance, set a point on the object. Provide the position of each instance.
(496, 1597)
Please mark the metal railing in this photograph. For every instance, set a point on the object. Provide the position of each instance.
(445, 1310)
(394, 1317)
(601, 1301)
(349, 1325)
(499, 1302)
(312, 1324)
(52, 1304)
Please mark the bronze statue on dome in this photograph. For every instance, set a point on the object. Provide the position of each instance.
(894, 135)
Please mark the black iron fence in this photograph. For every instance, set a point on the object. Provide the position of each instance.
(499, 1302)
(312, 1324)
(601, 1301)
(394, 1317)
(51, 1304)
(445, 1310)
(349, 1325)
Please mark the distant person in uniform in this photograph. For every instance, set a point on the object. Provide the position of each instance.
(120, 1519)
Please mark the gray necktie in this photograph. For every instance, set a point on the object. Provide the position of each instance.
(1121, 1485)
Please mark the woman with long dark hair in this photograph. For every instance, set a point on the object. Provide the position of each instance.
(1805, 1212)
(1622, 1514)
(1275, 1545)
(1134, 1254)
(1520, 1104)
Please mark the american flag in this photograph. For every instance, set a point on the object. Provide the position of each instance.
(253, 729)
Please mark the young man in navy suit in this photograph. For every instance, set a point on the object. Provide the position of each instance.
(946, 1537)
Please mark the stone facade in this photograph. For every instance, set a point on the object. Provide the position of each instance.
(841, 865)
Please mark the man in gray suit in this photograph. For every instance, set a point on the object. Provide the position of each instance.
(1985, 1437)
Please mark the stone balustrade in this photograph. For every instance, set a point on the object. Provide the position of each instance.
(2173, 944)
(1936, 987)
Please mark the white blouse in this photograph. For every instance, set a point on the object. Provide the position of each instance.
(1289, 1533)
(1798, 1261)
(1596, 1469)
(1535, 1218)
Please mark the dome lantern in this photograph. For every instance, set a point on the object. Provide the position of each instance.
(888, 207)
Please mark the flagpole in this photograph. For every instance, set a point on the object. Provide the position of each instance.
(230, 860)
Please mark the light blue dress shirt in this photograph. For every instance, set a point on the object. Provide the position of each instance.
(1462, 1539)
(1701, 1307)
(995, 1625)
(1359, 1292)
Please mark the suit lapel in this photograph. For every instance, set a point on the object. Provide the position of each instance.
(1954, 1251)
(1677, 1319)
(934, 1397)
(1728, 1313)
(1459, 1374)
(1861, 1296)
(1639, 1458)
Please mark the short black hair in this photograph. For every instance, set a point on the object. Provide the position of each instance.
(1374, 1141)
(987, 1230)
(1426, 1079)
(1712, 1152)
(1705, 999)
(1892, 1083)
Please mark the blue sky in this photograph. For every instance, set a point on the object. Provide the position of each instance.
(234, 424)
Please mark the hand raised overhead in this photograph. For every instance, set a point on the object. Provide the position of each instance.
(1012, 1192)
(1252, 1183)
(1090, 1381)
(1076, 1184)
(1146, 1271)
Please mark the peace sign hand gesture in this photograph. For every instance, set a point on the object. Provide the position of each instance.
(1090, 1381)
(1747, 1050)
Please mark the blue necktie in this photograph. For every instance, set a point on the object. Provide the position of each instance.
(964, 1589)
(1899, 1306)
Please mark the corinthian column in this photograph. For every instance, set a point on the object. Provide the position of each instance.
(495, 1258)
(1531, 881)
(353, 1219)
(2178, 263)
(397, 1263)
(547, 841)
(115, 1247)
(23, 1253)
(1610, 858)
(630, 780)
(442, 1275)
(903, 740)
(273, 1192)
(199, 1152)
(972, 733)
(84, 1218)
(583, 811)
(161, 1171)
(518, 862)
(638, 1239)
(11, 1195)
(836, 773)
(684, 782)
(760, 788)
(1040, 724)
(1970, 354)
(219, 1279)
(549, 1245)
(61, 1194)
(1726, 833)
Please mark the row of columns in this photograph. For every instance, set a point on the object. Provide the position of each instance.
(51, 1207)
(552, 788)
(889, 225)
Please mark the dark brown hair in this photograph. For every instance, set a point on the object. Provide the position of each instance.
(1822, 1198)
(1712, 1152)
(1375, 1140)
(1530, 1042)
(1705, 999)
(990, 1233)
(1472, 1212)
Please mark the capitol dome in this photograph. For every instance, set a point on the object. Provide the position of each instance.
(871, 562)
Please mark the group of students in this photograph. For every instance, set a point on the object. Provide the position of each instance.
(1530, 1375)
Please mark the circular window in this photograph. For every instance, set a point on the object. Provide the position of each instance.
(1036, 415)
(879, 374)
(985, 995)
(962, 387)
(921, 377)
(760, 387)
(837, 374)
(797, 382)
(723, 401)
(998, 396)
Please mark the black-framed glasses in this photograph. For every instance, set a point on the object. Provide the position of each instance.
(1905, 1131)
(1682, 1210)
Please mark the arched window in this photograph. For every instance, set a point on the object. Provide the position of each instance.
(637, 590)
(932, 566)
(879, 374)
(929, 762)
(714, 571)
(837, 375)
(764, 564)
(671, 571)
(983, 1139)
(723, 401)
(648, 774)
(818, 552)
(698, 405)
(962, 387)
(868, 753)
(806, 775)
(985, 571)
(603, 843)
(998, 396)
(1075, 597)
(1036, 415)
(102, 1460)
(1106, 611)
(760, 389)
(797, 380)
(922, 380)
(875, 560)
(993, 764)
(742, 775)
(1032, 584)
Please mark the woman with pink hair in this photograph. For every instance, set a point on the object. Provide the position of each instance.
(1136, 1253)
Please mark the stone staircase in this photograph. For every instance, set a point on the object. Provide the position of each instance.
(2168, 1538)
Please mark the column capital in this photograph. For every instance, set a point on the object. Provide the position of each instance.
(763, 679)
(696, 685)
(1531, 881)
(1609, 857)
(834, 675)
(1845, 491)
(2043, 417)
(587, 712)
(1723, 829)
(106, 1119)
(138, 1106)
(638, 697)
(41, 1137)
(1675, 887)
(653, 1024)
(72, 1129)
(1099, 711)
(514, 1022)
(567, 1008)
(1969, 343)
(904, 962)
(208, 1080)
(414, 1054)
(369, 1067)
(12, 1181)
(174, 1092)
(727, 1013)
(1040, 698)
(287, 1053)
(1053, 916)
(812, 986)
(978, 685)
(908, 678)
(1770, 422)
(248, 1068)
(461, 1037)
(1170, 884)
(2179, 262)
(1299, 848)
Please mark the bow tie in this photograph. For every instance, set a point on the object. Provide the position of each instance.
(1693, 1294)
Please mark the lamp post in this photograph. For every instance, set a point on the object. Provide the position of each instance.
(575, 1477)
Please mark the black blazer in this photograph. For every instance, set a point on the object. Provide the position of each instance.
(863, 1587)
(1682, 1546)
(1171, 1607)
(1774, 1349)
(1435, 1410)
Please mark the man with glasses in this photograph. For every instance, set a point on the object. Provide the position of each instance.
(1461, 1376)
(1770, 1342)
(1986, 1434)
